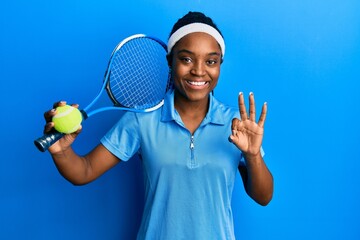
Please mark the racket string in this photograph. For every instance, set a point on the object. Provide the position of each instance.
(139, 74)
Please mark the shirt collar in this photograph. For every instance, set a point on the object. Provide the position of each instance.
(214, 114)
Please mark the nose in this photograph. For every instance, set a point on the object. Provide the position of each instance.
(198, 69)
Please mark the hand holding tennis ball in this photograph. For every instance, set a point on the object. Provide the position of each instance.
(67, 119)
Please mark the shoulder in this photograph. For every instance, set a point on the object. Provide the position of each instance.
(219, 108)
(134, 117)
(139, 121)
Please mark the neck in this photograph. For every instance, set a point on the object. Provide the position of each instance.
(188, 107)
(192, 113)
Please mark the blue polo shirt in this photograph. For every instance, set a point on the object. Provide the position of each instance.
(189, 179)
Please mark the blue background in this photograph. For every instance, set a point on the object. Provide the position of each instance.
(302, 57)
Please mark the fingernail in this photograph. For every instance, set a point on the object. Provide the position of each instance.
(251, 93)
(240, 93)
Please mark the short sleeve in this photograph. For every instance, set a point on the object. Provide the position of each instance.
(123, 139)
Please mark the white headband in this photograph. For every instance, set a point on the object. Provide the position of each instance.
(196, 27)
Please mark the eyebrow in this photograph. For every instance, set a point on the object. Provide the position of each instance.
(190, 52)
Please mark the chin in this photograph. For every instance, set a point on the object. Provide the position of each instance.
(196, 97)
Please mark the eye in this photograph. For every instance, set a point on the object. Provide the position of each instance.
(212, 62)
(186, 59)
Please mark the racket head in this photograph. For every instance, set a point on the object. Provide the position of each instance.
(138, 75)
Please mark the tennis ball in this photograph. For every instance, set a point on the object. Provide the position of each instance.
(67, 119)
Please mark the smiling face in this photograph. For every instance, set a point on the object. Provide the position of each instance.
(195, 64)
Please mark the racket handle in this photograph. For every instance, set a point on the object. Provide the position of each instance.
(44, 142)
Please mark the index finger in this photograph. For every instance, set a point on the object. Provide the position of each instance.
(49, 114)
(242, 107)
(59, 103)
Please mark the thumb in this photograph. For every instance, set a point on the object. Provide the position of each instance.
(232, 138)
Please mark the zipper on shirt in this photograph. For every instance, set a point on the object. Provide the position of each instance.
(192, 142)
(192, 146)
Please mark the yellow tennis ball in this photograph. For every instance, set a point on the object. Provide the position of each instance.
(67, 119)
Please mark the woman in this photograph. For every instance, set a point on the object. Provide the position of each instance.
(191, 148)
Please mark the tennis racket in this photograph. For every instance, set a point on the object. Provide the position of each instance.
(136, 79)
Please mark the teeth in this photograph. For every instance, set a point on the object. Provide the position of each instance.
(197, 83)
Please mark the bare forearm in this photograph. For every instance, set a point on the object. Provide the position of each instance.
(80, 170)
(76, 169)
(259, 181)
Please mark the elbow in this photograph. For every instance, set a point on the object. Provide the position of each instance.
(266, 196)
(264, 201)
(262, 197)
(77, 181)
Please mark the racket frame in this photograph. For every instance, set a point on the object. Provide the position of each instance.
(44, 142)
(106, 84)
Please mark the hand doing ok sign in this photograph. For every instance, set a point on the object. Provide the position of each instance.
(246, 134)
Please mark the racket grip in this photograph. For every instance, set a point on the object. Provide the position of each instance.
(44, 142)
